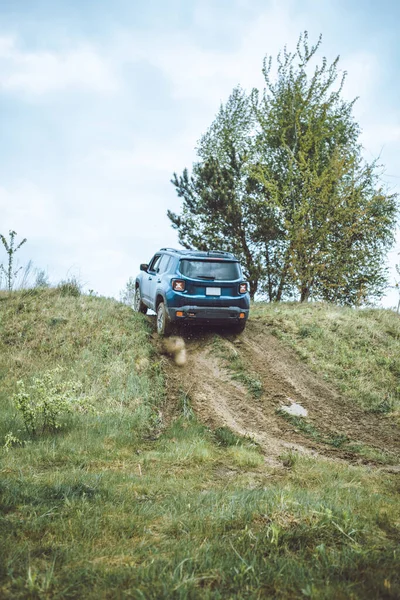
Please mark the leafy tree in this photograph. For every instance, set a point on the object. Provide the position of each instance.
(337, 222)
(281, 182)
(11, 249)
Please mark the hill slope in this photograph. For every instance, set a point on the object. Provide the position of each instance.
(358, 351)
(134, 495)
(245, 382)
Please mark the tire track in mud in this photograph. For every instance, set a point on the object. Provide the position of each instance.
(219, 400)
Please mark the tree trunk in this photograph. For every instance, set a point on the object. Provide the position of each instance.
(249, 262)
(304, 292)
(283, 275)
(282, 282)
(268, 262)
(253, 287)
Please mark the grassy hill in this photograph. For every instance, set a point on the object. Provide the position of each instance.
(119, 501)
(358, 351)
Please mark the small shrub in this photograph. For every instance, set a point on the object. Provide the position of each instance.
(70, 287)
(47, 401)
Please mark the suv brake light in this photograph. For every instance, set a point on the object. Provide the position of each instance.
(178, 285)
(243, 288)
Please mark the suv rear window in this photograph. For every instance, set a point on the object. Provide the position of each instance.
(216, 270)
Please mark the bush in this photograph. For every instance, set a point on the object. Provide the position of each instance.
(47, 401)
(70, 287)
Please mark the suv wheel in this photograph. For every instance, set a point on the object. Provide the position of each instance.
(163, 322)
(138, 304)
(239, 327)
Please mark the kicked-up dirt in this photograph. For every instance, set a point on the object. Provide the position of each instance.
(221, 400)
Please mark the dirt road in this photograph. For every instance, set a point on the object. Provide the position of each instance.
(219, 399)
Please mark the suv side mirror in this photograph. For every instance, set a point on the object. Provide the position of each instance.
(144, 267)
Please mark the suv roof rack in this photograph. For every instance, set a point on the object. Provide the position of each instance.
(219, 252)
(199, 253)
(206, 253)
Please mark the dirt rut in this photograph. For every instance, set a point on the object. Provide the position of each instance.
(220, 400)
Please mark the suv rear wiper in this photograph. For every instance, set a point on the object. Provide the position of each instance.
(208, 277)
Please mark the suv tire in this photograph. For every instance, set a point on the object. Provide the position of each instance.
(239, 327)
(137, 302)
(163, 322)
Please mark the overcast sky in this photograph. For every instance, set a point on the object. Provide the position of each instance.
(102, 101)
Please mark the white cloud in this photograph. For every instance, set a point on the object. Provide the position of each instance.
(380, 125)
(25, 207)
(38, 73)
(362, 76)
(199, 73)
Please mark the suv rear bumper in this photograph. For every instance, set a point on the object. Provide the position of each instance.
(209, 313)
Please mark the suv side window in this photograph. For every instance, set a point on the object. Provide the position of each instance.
(162, 266)
(155, 263)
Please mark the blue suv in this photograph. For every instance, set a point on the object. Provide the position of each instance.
(188, 286)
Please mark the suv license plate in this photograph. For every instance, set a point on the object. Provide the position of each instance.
(211, 291)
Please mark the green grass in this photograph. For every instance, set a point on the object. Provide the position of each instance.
(340, 440)
(97, 342)
(119, 505)
(358, 351)
(334, 439)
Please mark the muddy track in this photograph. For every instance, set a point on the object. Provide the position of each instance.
(220, 400)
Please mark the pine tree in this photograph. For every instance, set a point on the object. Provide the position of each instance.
(217, 200)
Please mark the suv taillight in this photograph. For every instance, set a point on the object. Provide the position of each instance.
(178, 285)
(242, 288)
